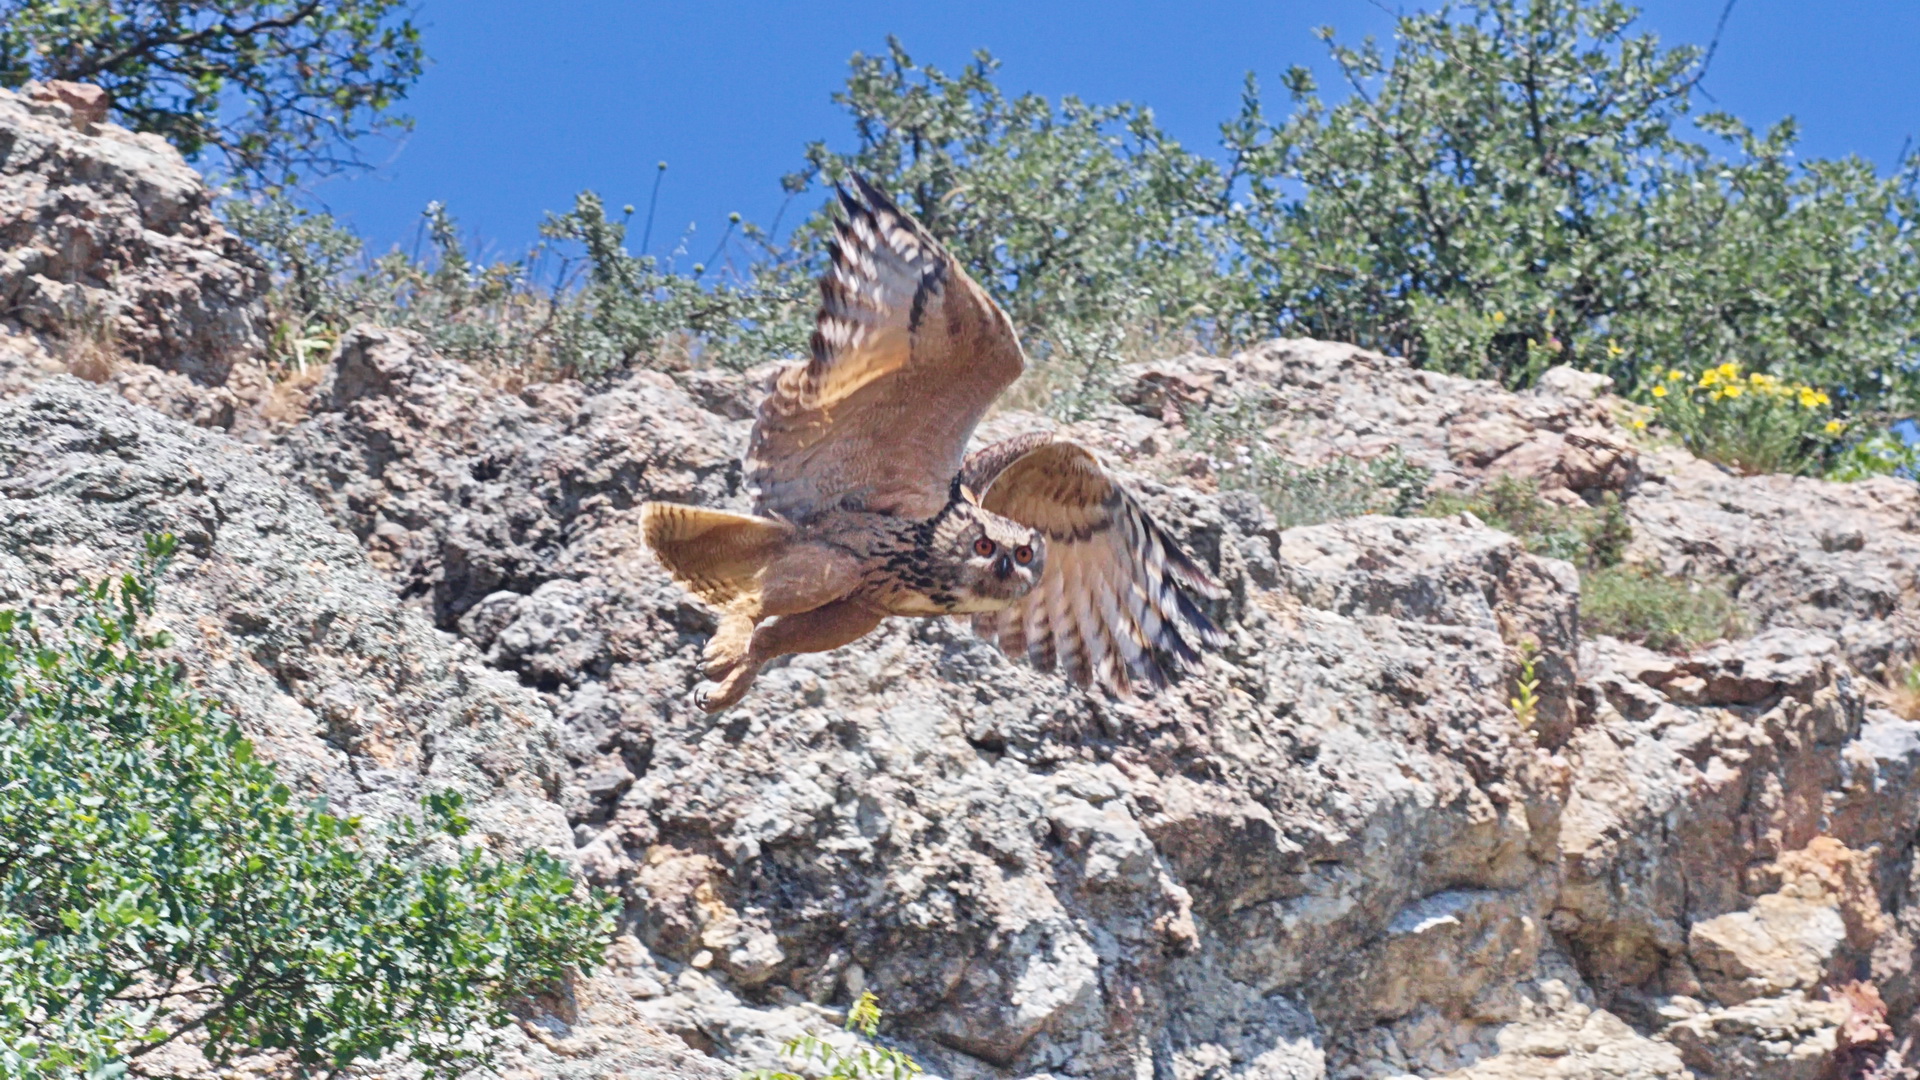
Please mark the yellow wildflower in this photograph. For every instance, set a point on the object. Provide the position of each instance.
(1733, 389)
(1709, 377)
(1499, 317)
(1718, 394)
(1812, 399)
(1729, 370)
(1835, 427)
(1675, 374)
(1614, 349)
(1659, 391)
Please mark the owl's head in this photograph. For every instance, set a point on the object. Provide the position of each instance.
(997, 560)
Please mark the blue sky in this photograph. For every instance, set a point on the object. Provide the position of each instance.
(524, 105)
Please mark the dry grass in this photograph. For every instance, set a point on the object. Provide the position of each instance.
(1902, 689)
(290, 396)
(88, 346)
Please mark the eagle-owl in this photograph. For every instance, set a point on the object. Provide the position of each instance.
(866, 505)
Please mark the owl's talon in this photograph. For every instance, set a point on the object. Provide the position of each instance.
(712, 697)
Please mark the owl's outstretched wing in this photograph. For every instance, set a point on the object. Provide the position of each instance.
(908, 352)
(1115, 603)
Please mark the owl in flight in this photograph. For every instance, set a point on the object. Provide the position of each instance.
(866, 504)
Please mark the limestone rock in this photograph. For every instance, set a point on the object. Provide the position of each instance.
(109, 239)
(86, 105)
(1775, 1038)
(1016, 869)
(1840, 559)
(281, 618)
(1332, 399)
(1781, 943)
(1569, 1040)
(1357, 855)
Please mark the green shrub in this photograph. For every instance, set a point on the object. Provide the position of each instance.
(1669, 614)
(275, 87)
(1510, 189)
(1242, 457)
(158, 882)
(866, 1062)
(1622, 600)
(310, 253)
(1883, 453)
(631, 311)
(599, 312)
(1591, 538)
(492, 315)
(1753, 424)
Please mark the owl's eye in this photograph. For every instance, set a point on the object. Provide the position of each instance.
(983, 547)
(1023, 554)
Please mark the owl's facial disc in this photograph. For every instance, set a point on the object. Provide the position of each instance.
(1002, 559)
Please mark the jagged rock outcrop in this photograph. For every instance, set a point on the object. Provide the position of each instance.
(280, 616)
(1337, 852)
(1839, 559)
(1035, 879)
(114, 266)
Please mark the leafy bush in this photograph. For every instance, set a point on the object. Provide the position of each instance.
(1635, 603)
(1242, 458)
(1883, 453)
(866, 1062)
(158, 882)
(1514, 185)
(1591, 538)
(600, 312)
(632, 311)
(1510, 189)
(1752, 424)
(1622, 600)
(274, 86)
(310, 253)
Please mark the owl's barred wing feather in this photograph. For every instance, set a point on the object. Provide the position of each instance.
(908, 352)
(1115, 603)
(718, 556)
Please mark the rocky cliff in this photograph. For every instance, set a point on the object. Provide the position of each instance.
(1337, 852)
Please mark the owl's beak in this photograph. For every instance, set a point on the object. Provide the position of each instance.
(1003, 567)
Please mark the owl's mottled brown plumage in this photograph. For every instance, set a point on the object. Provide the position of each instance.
(866, 506)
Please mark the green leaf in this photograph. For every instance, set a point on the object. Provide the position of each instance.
(144, 840)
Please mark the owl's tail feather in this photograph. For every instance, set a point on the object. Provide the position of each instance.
(718, 556)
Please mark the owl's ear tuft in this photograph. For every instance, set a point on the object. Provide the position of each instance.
(967, 493)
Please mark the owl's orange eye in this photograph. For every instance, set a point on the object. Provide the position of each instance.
(983, 547)
(1023, 554)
